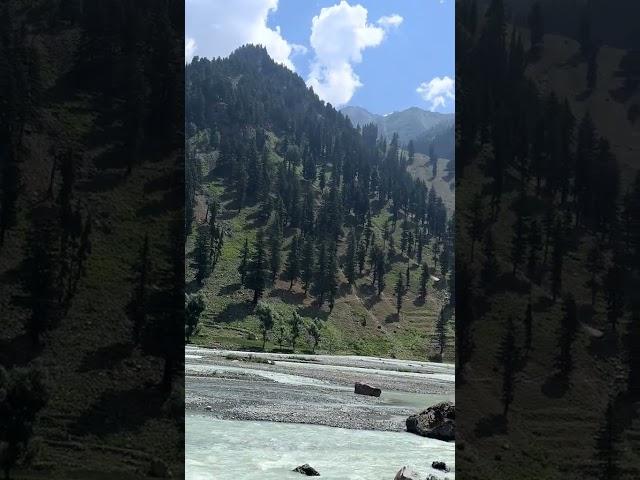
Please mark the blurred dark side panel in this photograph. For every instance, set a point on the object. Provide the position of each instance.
(548, 239)
(91, 238)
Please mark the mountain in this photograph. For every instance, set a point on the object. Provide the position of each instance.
(409, 124)
(299, 223)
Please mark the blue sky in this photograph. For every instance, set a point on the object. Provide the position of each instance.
(382, 55)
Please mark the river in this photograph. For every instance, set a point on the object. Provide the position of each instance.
(251, 419)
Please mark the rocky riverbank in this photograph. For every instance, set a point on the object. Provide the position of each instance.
(320, 390)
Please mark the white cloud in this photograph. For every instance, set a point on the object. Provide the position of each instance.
(437, 91)
(221, 26)
(190, 48)
(389, 21)
(339, 34)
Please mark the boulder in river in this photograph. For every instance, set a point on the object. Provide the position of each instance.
(307, 470)
(364, 389)
(406, 473)
(438, 421)
(440, 466)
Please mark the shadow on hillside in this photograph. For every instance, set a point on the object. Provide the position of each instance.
(103, 182)
(18, 351)
(235, 311)
(509, 282)
(419, 301)
(230, 289)
(604, 347)
(169, 201)
(556, 386)
(392, 318)
(112, 159)
(106, 357)
(314, 312)
(120, 411)
(492, 425)
(287, 296)
(163, 183)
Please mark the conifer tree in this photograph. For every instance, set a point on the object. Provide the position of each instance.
(257, 273)
(424, 278)
(607, 444)
(308, 263)
(201, 257)
(399, 291)
(507, 359)
(350, 260)
(440, 333)
(292, 272)
(568, 330)
(193, 307)
(275, 247)
(244, 261)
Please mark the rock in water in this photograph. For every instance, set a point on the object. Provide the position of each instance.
(307, 470)
(440, 466)
(364, 389)
(406, 473)
(438, 421)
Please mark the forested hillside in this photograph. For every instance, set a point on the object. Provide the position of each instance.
(303, 231)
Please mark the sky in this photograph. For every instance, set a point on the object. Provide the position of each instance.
(382, 55)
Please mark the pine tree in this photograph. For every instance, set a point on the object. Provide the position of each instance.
(331, 279)
(568, 330)
(308, 263)
(244, 261)
(411, 152)
(361, 256)
(193, 307)
(320, 273)
(424, 278)
(257, 274)
(507, 358)
(292, 272)
(407, 275)
(399, 291)
(595, 264)
(39, 279)
(556, 262)
(440, 333)
(380, 270)
(275, 247)
(201, 257)
(350, 260)
(607, 442)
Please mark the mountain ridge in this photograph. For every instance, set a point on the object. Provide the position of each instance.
(409, 123)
